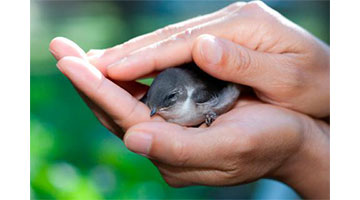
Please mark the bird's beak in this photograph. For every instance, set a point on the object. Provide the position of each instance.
(153, 112)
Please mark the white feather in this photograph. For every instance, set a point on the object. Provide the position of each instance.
(189, 113)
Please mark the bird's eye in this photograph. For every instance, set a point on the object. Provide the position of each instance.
(172, 96)
(169, 100)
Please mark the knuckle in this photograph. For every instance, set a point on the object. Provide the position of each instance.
(232, 167)
(254, 6)
(248, 145)
(253, 11)
(231, 175)
(243, 175)
(168, 30)
(127, 45)
(185, 35)
(119, 49)
(236, 5)
(296, 79)
(241, 62)
(188, 34)
(231, 163)
(180, 153)
(233, 172)
(112, 50)
(291, 84)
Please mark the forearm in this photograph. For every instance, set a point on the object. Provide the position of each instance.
(308, 172)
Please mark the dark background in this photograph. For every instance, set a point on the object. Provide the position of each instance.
(72, 155)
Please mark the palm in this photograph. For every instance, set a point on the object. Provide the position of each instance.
(253, 115)
(248, 135)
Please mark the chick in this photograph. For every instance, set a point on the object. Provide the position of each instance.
(187, 96)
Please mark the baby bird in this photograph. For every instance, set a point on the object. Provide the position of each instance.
(187, 96)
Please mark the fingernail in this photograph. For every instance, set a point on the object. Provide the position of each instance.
(139, 142)
(210, 49)
(53, 53)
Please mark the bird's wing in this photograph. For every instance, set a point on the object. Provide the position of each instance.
(201, 96)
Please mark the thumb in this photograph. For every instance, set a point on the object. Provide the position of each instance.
(176, 145)
(229, 61)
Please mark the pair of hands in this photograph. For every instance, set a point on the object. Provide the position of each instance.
(250, 44)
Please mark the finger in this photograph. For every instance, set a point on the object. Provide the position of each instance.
(61, 47)
(173, 51)
(119, 104)
(178, 146)
(114, 54)
(102, 116)
(228, 61)
(185, 176)
(136, 89)
(95, 52)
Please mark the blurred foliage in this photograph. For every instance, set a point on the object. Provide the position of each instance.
(72, 155)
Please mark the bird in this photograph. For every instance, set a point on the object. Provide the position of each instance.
(187, 96)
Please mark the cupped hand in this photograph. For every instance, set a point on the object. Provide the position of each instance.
(115, 103)
(249, 43)
(252, 141)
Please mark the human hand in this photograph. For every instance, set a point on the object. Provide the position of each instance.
(250, 44)
(114, 103)
(252, 141)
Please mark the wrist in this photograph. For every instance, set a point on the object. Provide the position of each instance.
(308, 170)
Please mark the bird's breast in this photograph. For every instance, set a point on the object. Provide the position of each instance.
(186, 113)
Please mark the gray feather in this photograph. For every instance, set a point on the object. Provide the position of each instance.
(186, 95)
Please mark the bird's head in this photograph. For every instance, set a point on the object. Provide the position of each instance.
(166, 94)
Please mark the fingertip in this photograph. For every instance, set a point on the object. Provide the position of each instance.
(113, 69)
(61, 47)
(209, 53)
(208, 50)
(53, 47)
(55, 40)
(139, 142)
(154, 127)
(140, 137)
(125, 69)
(147, 138)
(79, 71)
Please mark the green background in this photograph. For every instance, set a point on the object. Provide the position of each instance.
(72, 155)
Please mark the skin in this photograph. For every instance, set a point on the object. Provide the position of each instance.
(254, 140)
(258, 47)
